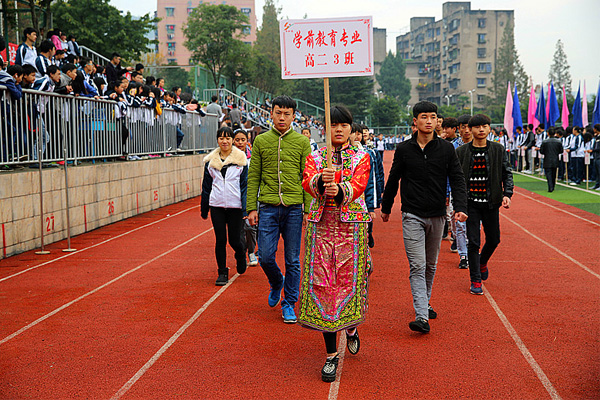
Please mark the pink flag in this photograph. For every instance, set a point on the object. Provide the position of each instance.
(508, 109)
(565, 110)
(532, 107)
(548, 104)
(584, 109)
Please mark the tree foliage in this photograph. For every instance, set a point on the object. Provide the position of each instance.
(101, 27)
(560, 70)
(508, 69)
(239, 70)
(392, 78)
(211, 35)
(386, 112)
(267, 37)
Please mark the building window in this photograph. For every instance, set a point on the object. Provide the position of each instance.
(170, 11)
(189, 10)
(454, 39)
(246, 30)
(437, 31)
(454, 24)
(481, 38)
(171, 45)
(481, 23)
(246, 11)
(485, 68)
(454, 84)
(170, 29)
(481, 82)
(480, 98)
(171, 61)
(481, 53)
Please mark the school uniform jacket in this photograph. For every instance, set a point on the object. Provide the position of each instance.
(225, 181)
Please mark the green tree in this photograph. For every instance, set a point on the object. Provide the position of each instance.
(174, 76)
(392, 78)
(386, 112)
(239, 70)
(101, 27)
(560, 70)
(267, 37)
(211, 34)
(508, 68)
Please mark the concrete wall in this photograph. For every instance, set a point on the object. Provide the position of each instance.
(99, 194)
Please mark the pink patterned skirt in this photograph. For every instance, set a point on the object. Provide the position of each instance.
(334, 285)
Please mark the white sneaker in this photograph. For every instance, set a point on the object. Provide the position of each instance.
(573, 184)
(253, 260)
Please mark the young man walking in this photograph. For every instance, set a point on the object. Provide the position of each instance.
(551, 148)
(489, 185)
(425, 163)
(278, 158)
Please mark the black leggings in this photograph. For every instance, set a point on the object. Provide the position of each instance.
(330, 342)
(223, 218)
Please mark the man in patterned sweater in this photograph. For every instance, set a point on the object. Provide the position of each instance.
(489, 186)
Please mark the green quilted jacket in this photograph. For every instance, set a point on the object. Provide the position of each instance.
(276, 167)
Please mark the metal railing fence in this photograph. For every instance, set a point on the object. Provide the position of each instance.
(89, 129)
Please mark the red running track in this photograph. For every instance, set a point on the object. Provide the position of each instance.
(137, 316)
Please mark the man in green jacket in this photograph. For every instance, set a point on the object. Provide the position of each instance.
(275, 188)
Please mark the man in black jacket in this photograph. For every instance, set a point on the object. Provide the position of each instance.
(489, 185)
(551, 148)
(114, 69)
(425, 163)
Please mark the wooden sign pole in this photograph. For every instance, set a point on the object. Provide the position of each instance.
(327, 122)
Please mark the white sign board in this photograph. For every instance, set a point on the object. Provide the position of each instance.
(326, 48)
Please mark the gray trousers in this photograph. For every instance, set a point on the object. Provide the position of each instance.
(422, 239)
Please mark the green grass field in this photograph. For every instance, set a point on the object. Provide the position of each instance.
(589, 202)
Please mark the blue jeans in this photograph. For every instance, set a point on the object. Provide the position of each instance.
(274, 221)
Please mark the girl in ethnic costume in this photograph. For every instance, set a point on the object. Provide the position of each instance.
(333, 295)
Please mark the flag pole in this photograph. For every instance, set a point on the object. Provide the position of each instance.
(327, 122)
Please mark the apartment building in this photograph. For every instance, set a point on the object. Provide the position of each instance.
(173, 16)
(454, 56)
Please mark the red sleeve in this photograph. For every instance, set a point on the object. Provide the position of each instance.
(360, 177)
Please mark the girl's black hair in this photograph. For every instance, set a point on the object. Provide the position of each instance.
(98, 82)
(340, 115)
(145, 91)
(356, 127)
(133, 85)
(225, 131)
(157, 92)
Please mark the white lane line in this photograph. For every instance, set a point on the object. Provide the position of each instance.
(559, 209)
(170, 342)
(559, 184)
(59, 309)
(513, 333)
(335, 386)
(554, 248)
(96, 245)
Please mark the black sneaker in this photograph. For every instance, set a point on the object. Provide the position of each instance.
(453, 247)
(222, 279)
(329, 369)
(420, 325)
(371, 241)
(464, 263)
(353, 342)
(432, 313)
